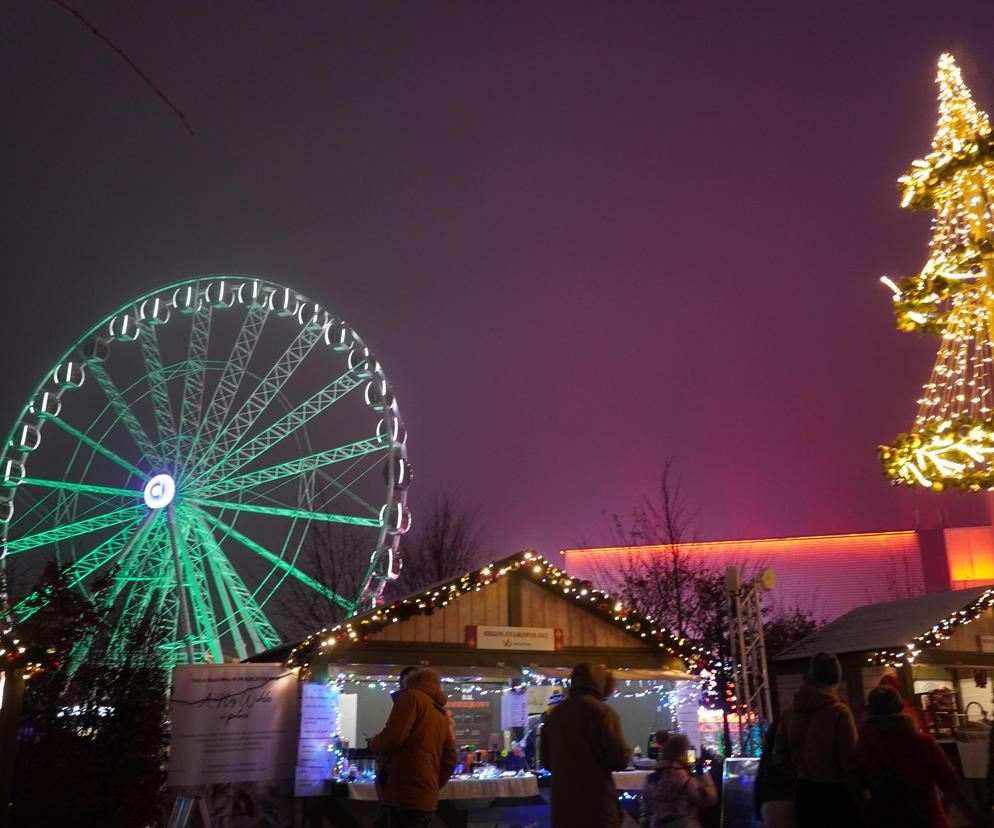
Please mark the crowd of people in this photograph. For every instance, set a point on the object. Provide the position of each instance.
(817, 769)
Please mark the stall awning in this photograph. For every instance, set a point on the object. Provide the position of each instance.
(391, 672)
(620, 674)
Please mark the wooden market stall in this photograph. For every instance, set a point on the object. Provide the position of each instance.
(520, 622)
(941, 649)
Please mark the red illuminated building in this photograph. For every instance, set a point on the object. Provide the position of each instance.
(830, 574)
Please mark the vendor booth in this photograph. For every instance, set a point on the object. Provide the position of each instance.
(504, 638)
(939, 647)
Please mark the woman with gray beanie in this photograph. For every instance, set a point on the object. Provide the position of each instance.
(898, 768)
(815, 742)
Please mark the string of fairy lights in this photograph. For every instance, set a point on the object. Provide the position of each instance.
(528, 563)
(952, 440)
(940, 632)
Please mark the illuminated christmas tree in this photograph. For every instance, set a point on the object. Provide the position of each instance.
(952, 441)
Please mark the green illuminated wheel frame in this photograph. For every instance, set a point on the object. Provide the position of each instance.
(184, 446)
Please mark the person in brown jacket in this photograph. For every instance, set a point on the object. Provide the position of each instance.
(815, 740)
(581, 744)
(416, 750)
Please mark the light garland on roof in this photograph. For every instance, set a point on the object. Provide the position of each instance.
(952, 441)
(528, 563)
(934, 637)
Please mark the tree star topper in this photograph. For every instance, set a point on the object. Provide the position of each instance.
(952, 440)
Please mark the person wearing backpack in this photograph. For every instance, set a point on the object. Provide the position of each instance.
(898, 768)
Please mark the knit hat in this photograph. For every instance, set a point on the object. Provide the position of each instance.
(825, 669)
(884, 701)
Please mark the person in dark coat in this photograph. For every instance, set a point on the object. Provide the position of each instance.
(815, 741)
(582, 743)
(890, 745)
(774, 787)
(417, 751)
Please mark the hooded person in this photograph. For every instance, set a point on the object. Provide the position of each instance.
(815, 741)
(898, 767)
(582, 743)
(416, 751)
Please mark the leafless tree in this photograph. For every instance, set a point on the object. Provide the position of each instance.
(337, 556)
(445, 542)
(658, 584)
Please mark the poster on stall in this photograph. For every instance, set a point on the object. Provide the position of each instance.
(514, 708)
(318, 729)
(232, 723)
(474, 720)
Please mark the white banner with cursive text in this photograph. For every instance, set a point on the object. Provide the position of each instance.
(232, 723)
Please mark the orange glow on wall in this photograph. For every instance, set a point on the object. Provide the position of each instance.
(829, 574)
(970, 553)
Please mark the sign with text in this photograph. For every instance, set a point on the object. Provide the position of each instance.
(540, 639)
(232, 723)
(474, 720)
(318, 726)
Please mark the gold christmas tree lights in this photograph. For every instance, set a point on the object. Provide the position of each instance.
(952, 441)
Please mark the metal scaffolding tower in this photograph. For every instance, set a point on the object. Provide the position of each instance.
(750, 676)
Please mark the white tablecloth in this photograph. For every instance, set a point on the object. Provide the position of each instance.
(630, 780)
(464, 788)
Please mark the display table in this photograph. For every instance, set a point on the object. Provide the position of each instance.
(499, 787)
(630, 780)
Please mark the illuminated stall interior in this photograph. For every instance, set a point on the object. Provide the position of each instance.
(518, 621)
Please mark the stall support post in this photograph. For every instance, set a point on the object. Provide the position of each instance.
(907, 676)
(10, 717)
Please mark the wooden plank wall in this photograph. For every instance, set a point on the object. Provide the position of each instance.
(448, 624)
(541, 608)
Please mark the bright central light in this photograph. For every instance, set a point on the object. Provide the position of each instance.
(159, 491)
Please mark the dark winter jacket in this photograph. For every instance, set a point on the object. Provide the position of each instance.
(772, 783)
(816, 737)
(581, 744)
(672, 797)
(416, 749)
(890, 744)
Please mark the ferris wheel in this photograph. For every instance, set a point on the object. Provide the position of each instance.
(185, 445)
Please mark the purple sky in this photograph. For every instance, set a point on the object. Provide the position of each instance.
(580, 237)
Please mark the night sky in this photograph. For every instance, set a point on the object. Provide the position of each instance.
(580, 236)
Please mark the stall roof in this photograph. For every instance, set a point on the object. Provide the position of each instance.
(888, 626)
(642, 631)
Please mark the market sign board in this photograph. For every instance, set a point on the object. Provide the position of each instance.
(536, 639)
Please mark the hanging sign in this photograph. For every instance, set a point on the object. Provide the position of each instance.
(541, 639)
(232, 723)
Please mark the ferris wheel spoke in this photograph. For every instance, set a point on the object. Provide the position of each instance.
(118, 544)
(240, 605)
(123, 410)
(284, 427)
(197, 589)
(292, 468)
(276, 511)
(193, 386)
(345, 488)
(269, 386)
(97, 447)
(85, 488)
(278, 562)
(73, 530)
(165, 425)
(231, 378)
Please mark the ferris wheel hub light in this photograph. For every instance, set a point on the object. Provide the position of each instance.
(159, 491)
